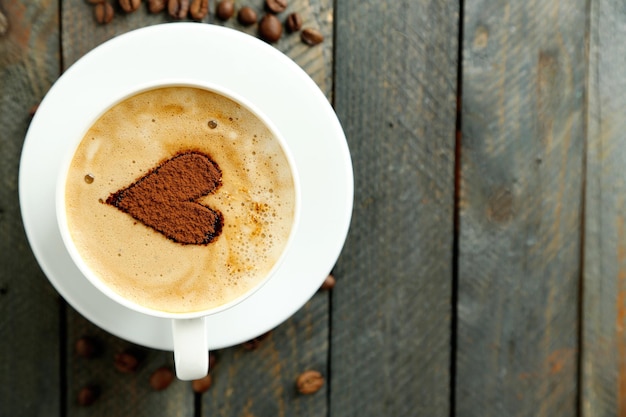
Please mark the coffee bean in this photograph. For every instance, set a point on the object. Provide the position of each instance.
(178, 9)
(247, 16)
(202, 385)
(276, 6)
(88, 395)
(87, 347)
(293, 22)
(161, 378)
(103, 13)
(311, 36)
(225, 9)
(270, 28)
(309, 382)
(329, 283)
(129, 5)
(126, 362)
(156, 6)
(199, 9)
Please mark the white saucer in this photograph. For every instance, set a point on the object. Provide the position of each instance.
(248, 67)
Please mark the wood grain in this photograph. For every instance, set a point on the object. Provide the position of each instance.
(120, 393)
(262, 382)
(29, 307)
(603, 371)
(395, 94)
(541, 184)
(520, 208)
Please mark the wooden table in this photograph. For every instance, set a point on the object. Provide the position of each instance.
(485, 270)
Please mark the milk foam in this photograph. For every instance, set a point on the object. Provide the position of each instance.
(257, 199)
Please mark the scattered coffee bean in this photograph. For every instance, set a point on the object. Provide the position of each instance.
(199, 9)
(156, 6)
(178, 9)
(309, 382)
(104, 13)
(87, 347)
(270, 28)
(253, 344)
(129, 5)
(88, 395)
(202, 385)
(212, 360)
(311, 36)
(276, 6)
(293, 22)
(329, 283)
(225, 9)
(161, 378)
(247, 16)
(126, 362)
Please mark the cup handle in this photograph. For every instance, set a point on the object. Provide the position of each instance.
(191, 351)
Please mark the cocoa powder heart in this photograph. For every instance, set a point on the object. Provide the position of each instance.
(165, 199)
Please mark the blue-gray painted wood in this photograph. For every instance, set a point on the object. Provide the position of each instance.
(395, 94)
(603, 361)
(30, 337)
(521, 193)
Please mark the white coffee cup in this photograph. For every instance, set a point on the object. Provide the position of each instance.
(190, 334)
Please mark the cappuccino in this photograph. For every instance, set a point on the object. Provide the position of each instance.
(180, 199)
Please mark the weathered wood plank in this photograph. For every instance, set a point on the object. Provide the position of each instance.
(29, 319)
(120, 394)
(396, 75)
(603, 372)
(520, 208)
